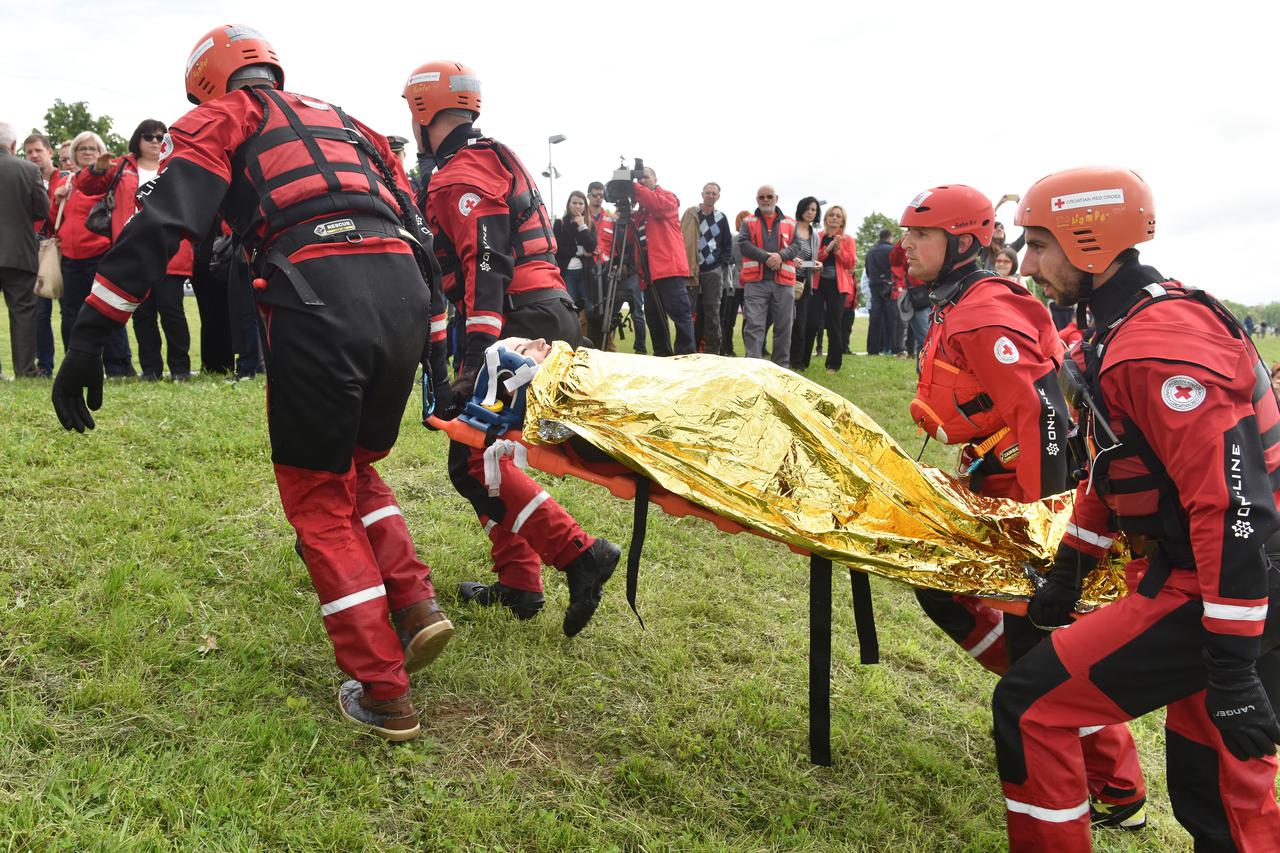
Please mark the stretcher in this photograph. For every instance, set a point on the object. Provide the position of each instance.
(629, 485)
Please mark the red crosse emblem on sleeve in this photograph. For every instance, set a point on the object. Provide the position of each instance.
(1182, 393)
(1005, 351)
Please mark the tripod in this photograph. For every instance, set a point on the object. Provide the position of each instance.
(624, 240)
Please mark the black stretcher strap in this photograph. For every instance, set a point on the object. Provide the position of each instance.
(864, 618)
(639, 522)
(819, 660)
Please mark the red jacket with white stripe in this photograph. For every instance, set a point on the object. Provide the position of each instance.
(602, 226)
(200, 177)
(470, 209)
(1176, 377)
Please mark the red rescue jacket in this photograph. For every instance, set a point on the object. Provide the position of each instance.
(846, 259)
(1197, 467)
(492, 231)
(659, 219)
(77, 242)
(988, 378)
(241, 155)
(602, 226)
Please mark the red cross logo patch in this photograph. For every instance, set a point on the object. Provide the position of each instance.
(467, 203)
(1006, 352)
(1182, 393)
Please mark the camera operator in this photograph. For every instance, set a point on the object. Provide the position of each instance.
(662, 246)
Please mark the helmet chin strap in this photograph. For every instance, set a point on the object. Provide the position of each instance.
(950, 261)
(1082, 301)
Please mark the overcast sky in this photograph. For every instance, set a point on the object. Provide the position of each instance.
(862, 108)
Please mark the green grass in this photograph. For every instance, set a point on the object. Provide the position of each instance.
(166, 682)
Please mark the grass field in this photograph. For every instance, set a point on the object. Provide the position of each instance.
(167, 684)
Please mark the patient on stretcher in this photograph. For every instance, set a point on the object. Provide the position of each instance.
(766, 448)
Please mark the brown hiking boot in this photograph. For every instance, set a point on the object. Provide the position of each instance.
(393, 719)
(423, 630)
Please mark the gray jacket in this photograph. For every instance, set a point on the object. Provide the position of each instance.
(23, 200)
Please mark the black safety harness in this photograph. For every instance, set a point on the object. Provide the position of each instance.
(1165, 535)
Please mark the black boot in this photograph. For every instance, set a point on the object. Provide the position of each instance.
(587, 576)
(521, 602)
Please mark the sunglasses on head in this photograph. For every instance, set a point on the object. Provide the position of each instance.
(153, 137)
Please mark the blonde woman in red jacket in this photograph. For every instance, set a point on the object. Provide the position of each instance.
(136, 169)
(835, 287)
(82, 249)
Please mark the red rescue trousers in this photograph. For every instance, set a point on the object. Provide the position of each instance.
(338, 378)
(1128, 659)
(525, 524)
(995, 639)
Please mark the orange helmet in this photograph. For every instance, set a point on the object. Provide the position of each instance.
(954, 208)
(1094, 212)
(438, 86)
(220, 53)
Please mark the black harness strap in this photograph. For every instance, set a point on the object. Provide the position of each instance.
(639, 523)
(308, 136)
(976, 406)
(276, 258)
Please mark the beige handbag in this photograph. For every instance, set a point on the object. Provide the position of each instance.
(49, 267)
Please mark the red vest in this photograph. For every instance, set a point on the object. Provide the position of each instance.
(304, 162)
(950, 403)
(753, 270)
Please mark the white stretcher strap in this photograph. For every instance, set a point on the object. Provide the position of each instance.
(493, 455)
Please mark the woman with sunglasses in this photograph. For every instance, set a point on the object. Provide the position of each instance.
(136, 169)
(82, 249)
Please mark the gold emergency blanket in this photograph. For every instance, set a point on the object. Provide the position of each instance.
(769, 449)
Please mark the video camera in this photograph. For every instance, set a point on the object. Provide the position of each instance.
(620, 188)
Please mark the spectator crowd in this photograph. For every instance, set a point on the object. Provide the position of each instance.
(792, 279)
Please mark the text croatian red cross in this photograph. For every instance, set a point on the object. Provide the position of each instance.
(1182, 392)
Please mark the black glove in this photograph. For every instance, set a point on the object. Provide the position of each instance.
(452, 398)
(80, 371)
(1237, 704)
(446, 404)
(1054, 602)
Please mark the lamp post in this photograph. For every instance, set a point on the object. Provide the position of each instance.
(551, 172)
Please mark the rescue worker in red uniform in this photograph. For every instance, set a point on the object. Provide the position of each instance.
(1181, 434)
(494, 242)
(988, 381)
(321, 203)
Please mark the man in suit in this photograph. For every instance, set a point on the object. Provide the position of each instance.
(23, 201)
